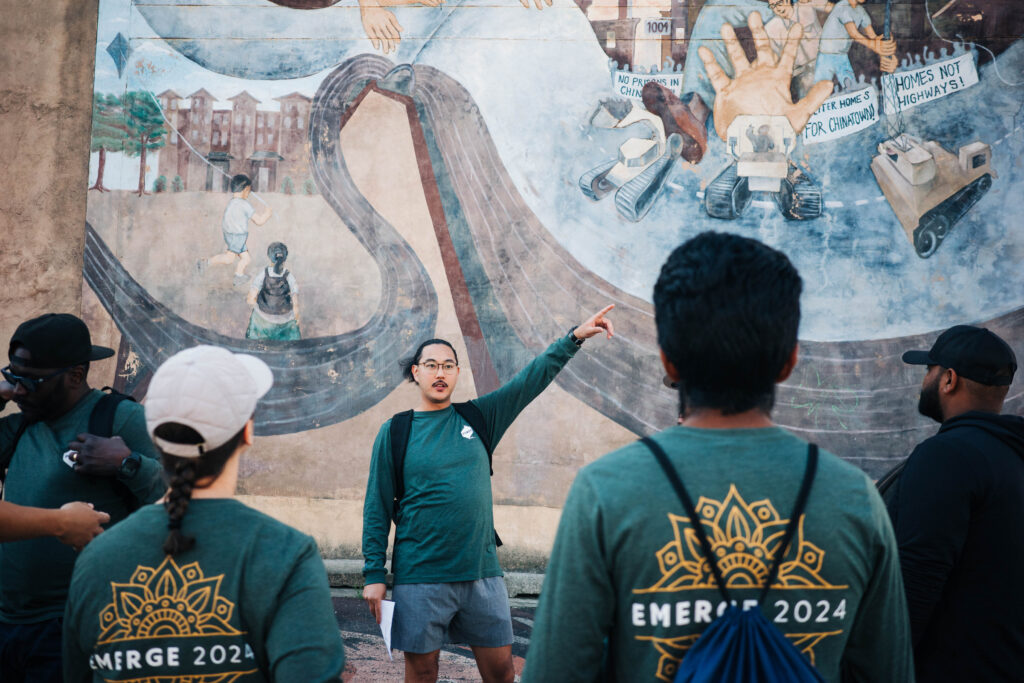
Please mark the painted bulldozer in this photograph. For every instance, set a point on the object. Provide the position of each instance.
(928, 187)
(761, 146)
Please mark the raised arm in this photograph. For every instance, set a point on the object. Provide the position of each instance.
(501, 406)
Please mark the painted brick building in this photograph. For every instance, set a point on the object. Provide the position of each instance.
(271, 147)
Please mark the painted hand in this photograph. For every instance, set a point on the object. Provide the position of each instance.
(595, 324)
(761, 86)
(889, 64)
(381, 26)
(883, 47)
(539, 3)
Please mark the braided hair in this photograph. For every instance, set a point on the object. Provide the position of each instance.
(183, 473)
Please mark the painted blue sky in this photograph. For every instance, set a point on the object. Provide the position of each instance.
(156, 67)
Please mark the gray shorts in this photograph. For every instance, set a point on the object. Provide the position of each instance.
(236, 241)
(428, 615)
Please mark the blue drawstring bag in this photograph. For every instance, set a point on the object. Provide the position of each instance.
(742, 645)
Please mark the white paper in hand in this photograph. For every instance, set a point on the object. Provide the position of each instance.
(387, 612)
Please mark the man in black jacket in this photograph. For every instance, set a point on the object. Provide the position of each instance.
(957, 513)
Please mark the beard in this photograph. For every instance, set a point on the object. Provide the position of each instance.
(928, 405)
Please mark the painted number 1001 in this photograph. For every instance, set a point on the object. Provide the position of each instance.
(657, 27)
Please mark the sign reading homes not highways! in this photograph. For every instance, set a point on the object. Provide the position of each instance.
(928, 83)
(841, 115)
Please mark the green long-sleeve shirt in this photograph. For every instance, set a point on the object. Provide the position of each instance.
(444, 531)
(34, 574)
(248, 603)
(627, 573)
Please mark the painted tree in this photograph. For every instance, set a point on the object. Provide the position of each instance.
(108, 132)
(145, 129)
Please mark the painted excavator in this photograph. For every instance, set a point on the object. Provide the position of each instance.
(930, 188)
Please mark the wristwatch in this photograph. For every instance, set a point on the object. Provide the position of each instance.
(130, 466)
(573, 338)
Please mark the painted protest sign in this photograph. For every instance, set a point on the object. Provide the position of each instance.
(907, 89)
(841, 115)
(629, 84)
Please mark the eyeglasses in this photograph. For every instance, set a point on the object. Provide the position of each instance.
(30, 383)
(431, 366)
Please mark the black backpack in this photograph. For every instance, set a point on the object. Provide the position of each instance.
(742, 646)
(401, 425)
(101, 423)
(889, 485)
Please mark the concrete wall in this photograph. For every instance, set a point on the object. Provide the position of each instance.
(47, 64)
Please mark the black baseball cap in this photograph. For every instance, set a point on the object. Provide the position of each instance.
(57, 340)
(974, 352)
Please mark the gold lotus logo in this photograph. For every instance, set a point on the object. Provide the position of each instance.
(744, 538)
(169, 602)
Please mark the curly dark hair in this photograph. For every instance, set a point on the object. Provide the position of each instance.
(727, 309)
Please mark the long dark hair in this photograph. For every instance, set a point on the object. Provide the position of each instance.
(183, 473)
(412, 360)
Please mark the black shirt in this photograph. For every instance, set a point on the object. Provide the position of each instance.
(958, 514)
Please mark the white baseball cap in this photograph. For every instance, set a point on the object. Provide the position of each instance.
(209, 389)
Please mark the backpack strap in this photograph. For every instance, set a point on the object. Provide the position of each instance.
(101, 423)
(401, 425)
(684, 497)
(472, 414)
(8, 455)
(794, 519)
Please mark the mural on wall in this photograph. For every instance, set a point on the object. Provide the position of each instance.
(563, 150)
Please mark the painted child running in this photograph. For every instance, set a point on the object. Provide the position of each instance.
(235, 226)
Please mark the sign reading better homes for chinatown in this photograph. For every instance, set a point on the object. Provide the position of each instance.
(928, 83)
(629, 84)
(841, 115)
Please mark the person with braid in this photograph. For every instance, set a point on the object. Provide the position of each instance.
(202, 587)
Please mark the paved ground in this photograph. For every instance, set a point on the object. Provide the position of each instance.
(367, 661)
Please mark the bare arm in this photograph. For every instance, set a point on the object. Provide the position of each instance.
(872, 41)
(74, 523)
(263, 215)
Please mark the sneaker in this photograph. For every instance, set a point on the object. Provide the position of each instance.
(241, 280)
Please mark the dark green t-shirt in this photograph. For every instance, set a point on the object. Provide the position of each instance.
(627, 570)
(34, 574)
(445, 527)
(249, 602)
